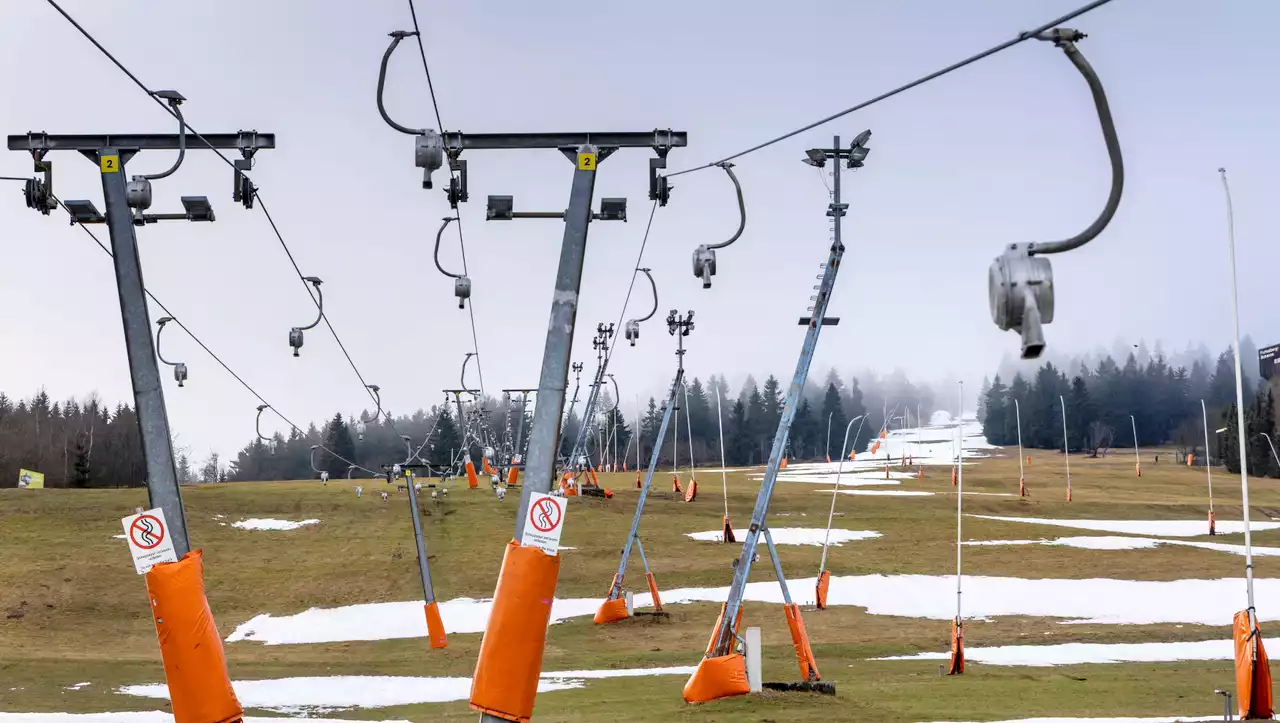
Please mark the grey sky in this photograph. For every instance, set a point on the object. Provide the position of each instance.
(1007, 150)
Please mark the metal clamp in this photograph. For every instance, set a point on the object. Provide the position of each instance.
(179, 369)
(704, 257)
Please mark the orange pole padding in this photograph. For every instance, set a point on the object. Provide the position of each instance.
(608, 493)
(728, 532)
(484, 464)
(513, 476)
(824, 584)
(675, 483)
(715, 678)
(957, 647)
(591, 473)
(1189, 458)
(784, 463)
(1022, 487)
(886, 470)
(506, 677)
(719, 619)
(852, 455)
(624, 466)
(1068, 494)
(828, 459)
(800, 639)
(1253, 671)
(611, 611)
(953, 475)
(565, 483)
(195, 666)
(919, 472)
(653, 592)
(692, 493)
(472, 481)
(639, 484)
(435, 627)
(1139, 466)
(1213, 519)
(875, 447)
(1028, 460)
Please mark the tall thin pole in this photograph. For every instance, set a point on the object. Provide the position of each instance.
(724, 477)
(831, 515)
(688, 426)
(828, 449)
(1137, 458)
(1208, 468)
(1017, 411)
(1241, 434)
(639, 432)
(1066, 448)
(959, 498)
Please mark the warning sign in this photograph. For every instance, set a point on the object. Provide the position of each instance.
(149, 540)
(544, 524)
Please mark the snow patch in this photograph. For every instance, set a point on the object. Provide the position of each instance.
(1040, 656)
(1160, 528)
(78, 686)
(259, 523)
(1132, 543)
(798, 535)
(1163, 719)
(329, 693)
(884, 493)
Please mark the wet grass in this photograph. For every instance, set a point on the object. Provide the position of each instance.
(72, 609)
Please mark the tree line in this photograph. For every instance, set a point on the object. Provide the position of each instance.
(1163, 401)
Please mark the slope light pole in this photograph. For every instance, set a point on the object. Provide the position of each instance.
(1022, 479)
(1137, 458)
(1208, 468)
(724, 638)
(1272, 445)
(1240, 429)
(823, 575)
(957, 635)
(1066, 447)
(126, 204)
(828, 445)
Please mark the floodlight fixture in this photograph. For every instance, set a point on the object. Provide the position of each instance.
(613, 209)
(499, 208)
(816, 157)
(197, 208)
(84, 212)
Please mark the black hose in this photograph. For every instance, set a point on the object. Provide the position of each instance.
(654, 286)
(742, 207)
(396, 37)
(437, 252)
(1113, 151)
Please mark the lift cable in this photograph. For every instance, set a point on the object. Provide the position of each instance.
(256, 191)
(1021, 37)
(215, 357)
(462, 244)
(635, 273)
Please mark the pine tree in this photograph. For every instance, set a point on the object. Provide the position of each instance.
(832, 415)
(738, 435)
(997, 420)
(338, 440)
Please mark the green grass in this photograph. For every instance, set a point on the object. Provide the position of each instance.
(86, 618)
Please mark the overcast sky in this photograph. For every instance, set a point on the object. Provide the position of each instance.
(1007, 150)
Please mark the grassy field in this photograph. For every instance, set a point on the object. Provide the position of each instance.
(75, 611)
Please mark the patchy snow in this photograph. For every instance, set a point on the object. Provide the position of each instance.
(150, 716)
(118, 537)
(342, 692)
(259, 523)
(1162, 719)
(1086, 653)
(78, 686)
(1130, 543)
(798, 535)
(882, 493)
(1161, 528)
(1094, 601)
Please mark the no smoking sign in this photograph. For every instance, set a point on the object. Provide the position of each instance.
(149, 540)
(544, 523)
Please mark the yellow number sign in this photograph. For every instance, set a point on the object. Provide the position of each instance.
(110, 164)
(586, 161)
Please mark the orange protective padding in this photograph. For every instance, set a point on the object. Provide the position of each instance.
(886, 470)
(506, 677)
(1213, 519)
(852, 455)
(800, 639)
(639, 484)
(824, 584)
(692, 493)
(1068, 494)
(653, 592)
(1253, 671)
(717, 678)
(513, 477)
(1028, 460)
(195, 666)
(435, 627)
(1022, 487)
(953, 476)
(675, 483)
(472, 481)
(784, 463)
(591, 473)
(728, 532)
(1189, 458)
(608, 493)
(875, 447)
(611, 611)
(719, 619)
(1139, 466)
(484, 464)
(957, 647)
(624, 466)
(919, 472)
(828, 459)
